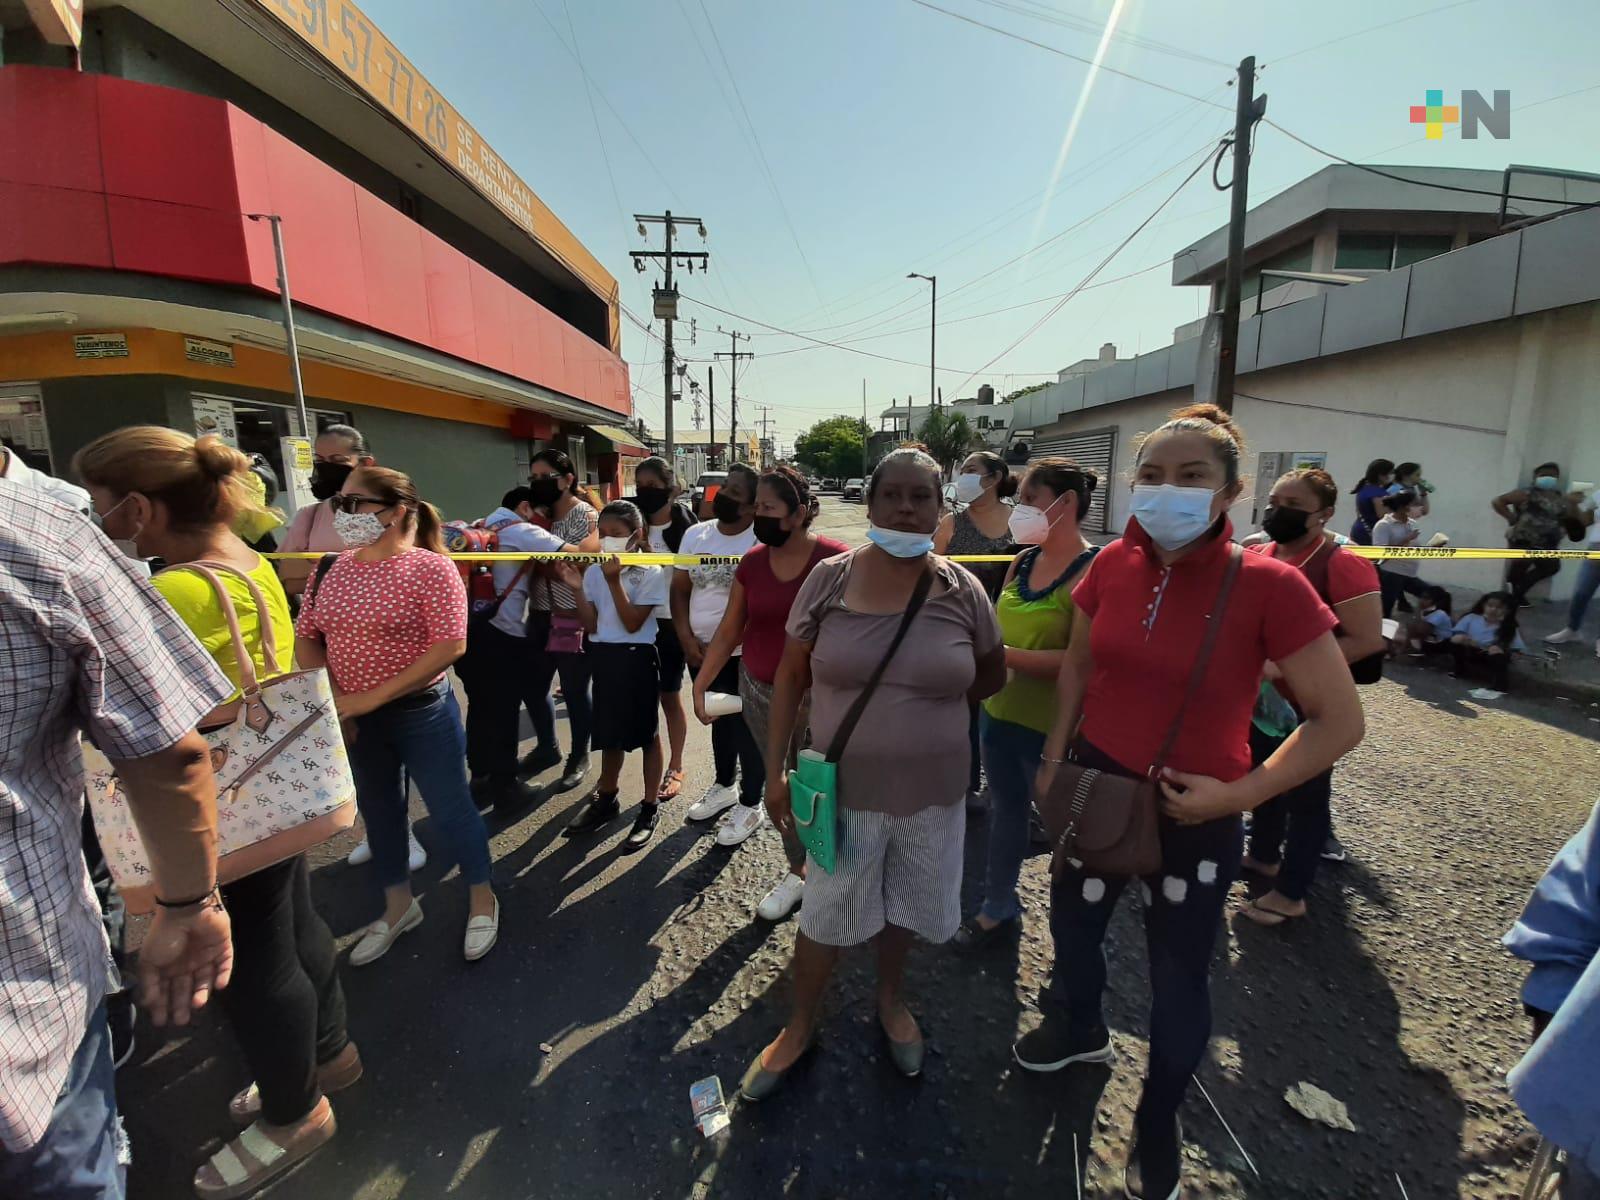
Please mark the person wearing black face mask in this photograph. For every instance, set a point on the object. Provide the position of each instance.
(338, 450)
(752, 633)
(1289, 833)
(666, 521)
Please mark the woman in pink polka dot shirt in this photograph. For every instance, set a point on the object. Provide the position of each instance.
(387, 617)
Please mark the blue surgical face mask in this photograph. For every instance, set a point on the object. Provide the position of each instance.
(900, 543)
(1173, 516)
(1549, 482)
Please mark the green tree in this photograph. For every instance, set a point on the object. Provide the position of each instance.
(947, 436)
(833, 447)
(1032, 387)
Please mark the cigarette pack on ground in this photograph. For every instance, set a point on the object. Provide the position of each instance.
(723, 704)
(709, 1107)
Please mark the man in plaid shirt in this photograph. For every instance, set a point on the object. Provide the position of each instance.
(87, 647)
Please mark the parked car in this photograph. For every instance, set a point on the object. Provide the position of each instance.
(830, 485)
(854, 488)
(705, 491)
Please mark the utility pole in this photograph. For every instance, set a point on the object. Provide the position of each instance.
(766, 436)
(733, 356)
(1247, 112)
(666, 297)
(865, 436)
(711, 405)
(292, 343)
(933, 334)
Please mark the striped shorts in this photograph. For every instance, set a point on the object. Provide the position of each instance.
(903, 871)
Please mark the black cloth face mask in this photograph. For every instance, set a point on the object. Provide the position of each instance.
(328, 477)
(546, 490)
(770, 531)
(726, 508)
(652, 499)
(1285, 525)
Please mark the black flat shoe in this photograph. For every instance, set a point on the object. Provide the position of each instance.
(577, 770)
(973, 937)
(599, 809)
(1155, 1163)
(540, 758)
(644, 828)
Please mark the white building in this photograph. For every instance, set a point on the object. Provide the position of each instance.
(1474, 352)
(989, 419)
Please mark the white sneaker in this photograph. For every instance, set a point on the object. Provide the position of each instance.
(718, 798)
(740, 824)
(361, 855)
(1562, 636)
(416, 856)
(375, 943)
(783, 899)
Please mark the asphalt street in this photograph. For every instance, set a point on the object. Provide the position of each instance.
(560, 1066)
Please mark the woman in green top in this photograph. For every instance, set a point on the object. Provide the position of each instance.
(1036, 615)
(180, 499)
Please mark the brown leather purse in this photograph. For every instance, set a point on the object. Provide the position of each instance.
(1107, 822)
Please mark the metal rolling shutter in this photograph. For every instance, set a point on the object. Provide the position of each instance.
(1094, 449)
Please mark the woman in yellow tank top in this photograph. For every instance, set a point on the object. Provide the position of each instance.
(1036, 616)
(180, 500)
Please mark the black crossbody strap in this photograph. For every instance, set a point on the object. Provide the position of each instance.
(1203, 659)
(853, 716)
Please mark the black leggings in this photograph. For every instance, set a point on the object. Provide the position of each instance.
(1496, 666)
(733, 746)
(497, 672)
(542, 669)
(1302, 814)
(1524, 573)
(1183, 906)
(285, 1001)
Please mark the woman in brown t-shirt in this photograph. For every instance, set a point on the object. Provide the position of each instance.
(903, 775)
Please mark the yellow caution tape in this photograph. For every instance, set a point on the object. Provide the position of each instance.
(1464, 553)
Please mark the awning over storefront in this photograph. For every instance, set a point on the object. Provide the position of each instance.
(622, 442)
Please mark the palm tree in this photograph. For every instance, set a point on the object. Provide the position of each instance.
(948, 437)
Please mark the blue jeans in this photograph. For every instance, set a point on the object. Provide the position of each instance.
(1588, 584)
(423, 734)
(77, 1159)
(1010, 761)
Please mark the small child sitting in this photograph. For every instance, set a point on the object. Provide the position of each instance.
(1430, 628)
(1487, 637)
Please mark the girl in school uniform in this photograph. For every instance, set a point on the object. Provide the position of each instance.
(618, 604)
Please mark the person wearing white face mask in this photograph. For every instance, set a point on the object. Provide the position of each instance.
(1036, 616)
(1145, 609)
(893, 642)
(983, 526)
(387, 617)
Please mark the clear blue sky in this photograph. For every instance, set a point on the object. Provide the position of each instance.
(895, 139)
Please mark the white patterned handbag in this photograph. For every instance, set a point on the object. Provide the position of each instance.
(283, 776)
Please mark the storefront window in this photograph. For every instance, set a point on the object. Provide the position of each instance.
(257, 427)
(22, 427)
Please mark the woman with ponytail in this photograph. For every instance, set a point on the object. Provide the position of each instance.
(386, 618)
(179, 500)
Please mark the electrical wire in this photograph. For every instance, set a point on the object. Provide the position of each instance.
(1087, 279)
(1443, 187)
(594, 115)
(1067, 54)
(1066, 20)
(1345, 37)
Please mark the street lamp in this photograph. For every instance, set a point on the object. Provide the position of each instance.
(933, 334)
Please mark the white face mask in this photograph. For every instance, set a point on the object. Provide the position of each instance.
(1173, 516)
(358, 529)
(615, 545)
(968, 487)
(1031, 525)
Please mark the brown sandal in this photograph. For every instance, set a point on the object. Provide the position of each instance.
(253, 1158)
(1270, 917)
(338, 1073)
(671, 786)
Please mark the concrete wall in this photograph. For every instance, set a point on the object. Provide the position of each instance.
(1479, 408)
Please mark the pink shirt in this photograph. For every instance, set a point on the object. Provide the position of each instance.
(310, 531)
(377, 618)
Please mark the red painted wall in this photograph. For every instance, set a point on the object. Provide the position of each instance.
(101, 172)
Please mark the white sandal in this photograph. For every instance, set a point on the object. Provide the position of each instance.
(253, 1159)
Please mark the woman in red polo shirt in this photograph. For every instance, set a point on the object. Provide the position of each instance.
(1143, 610)
(1297, 516)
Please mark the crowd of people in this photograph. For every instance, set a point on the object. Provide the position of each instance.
(811, 663)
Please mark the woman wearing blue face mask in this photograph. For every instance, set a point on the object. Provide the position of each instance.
(1534, 515)
(982, 526)
(1143, 611)
(902, 770)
